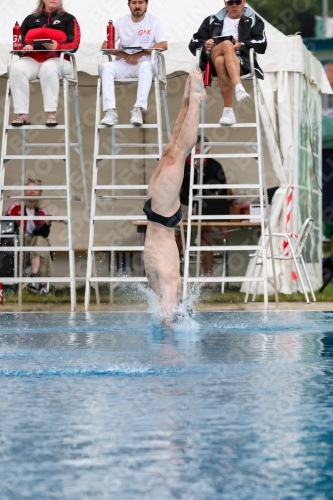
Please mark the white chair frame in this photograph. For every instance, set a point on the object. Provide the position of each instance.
(295, 248)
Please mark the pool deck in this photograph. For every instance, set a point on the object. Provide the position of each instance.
(257, 306)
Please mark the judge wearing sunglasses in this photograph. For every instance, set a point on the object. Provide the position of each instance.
(241, 30)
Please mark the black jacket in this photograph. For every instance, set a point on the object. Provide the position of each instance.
(251, 32)
(213, 174)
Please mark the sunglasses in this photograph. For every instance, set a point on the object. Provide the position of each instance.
(231, 2)
(35, 181)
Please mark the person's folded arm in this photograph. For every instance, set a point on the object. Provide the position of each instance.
(160, 45)
(24, 31)
(133, 58)
(199, 38)
(42, 229)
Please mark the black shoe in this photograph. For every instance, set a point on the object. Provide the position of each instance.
(32, 288)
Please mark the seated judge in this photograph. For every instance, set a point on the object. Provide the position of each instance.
(230, 59)
(48, 21)
(142, 29)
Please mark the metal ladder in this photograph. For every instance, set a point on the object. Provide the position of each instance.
(114, 190)
(66, 81)
(259, 186)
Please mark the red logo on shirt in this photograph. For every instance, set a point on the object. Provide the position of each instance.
(144, 32)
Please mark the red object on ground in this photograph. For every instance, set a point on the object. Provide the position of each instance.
(110, 35)
(1, 294)
(17, 42)
(207, 81)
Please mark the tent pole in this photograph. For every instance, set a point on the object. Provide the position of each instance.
(325, 15)
(325, 99)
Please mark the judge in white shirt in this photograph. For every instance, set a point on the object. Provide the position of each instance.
(137, 29)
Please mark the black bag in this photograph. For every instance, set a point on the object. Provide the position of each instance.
(9, 229)
(42, 230)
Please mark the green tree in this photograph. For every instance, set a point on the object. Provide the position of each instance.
(283, 14)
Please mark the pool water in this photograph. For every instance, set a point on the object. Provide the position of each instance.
(108, 406)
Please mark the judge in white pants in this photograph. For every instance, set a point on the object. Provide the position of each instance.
(26, 69)
(137, 29)
(51, 23)
(121, 69)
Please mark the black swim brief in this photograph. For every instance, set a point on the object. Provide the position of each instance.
(169, 222)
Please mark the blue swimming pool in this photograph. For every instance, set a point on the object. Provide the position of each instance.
(106, 406)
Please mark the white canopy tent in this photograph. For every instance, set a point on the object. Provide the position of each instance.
(180, 21)
(290, 95)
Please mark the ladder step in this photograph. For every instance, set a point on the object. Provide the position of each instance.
(118, 249)
(44, 188)
(35, 127)
(224, 248)
(236, 125)
(138, 127)
(51, 145)
(33, 249)
(116, 217)
(230, 155)
(214, 144)
(34, 217)
(128, 157)
(34, 157)
(225, 217)
(227, 186)
(114, 280)
(125, 197)
(120, 186)
(230, 279)
(220, 197)
(137, 145)
(37, 280)
(74, 198)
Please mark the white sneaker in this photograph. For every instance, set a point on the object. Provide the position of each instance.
(110, 118)
(241, 96)
(228, 117)
(136, 117)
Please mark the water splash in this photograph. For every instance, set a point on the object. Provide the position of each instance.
(182, 314)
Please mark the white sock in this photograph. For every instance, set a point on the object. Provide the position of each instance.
(239, 86)
(227, 109)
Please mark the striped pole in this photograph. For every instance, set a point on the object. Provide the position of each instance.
(288, 219)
